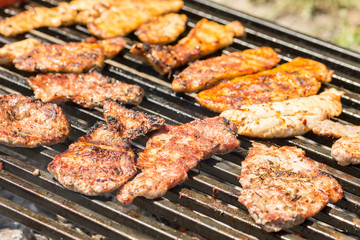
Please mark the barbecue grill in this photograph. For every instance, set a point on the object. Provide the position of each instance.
(206, 204)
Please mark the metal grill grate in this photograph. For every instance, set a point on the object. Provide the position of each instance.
(206, 204)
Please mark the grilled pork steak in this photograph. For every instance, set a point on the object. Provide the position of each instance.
(13, 50)
(282, 187)
(86, 89)
(136, 123)
(205, 38)
(172, 151)
(206, 73)
(298, 78)
(287, 118)
(26, 122)
(73, 57)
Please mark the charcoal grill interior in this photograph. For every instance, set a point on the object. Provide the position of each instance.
(206, 204)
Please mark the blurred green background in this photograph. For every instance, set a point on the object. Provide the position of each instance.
(336, 21)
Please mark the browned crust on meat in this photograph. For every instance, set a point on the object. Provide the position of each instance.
(282, 187)
(205, 38)
(135, 123)
(172, 151)
(97, 163)
(205, 74)
(88, 89)
(12, 50)
(26, 122)
(298, 78)
(163, 29)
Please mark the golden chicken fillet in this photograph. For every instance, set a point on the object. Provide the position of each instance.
(299, 78)
(119, 18)
(13, 50)
(206, 73)
(205, 38)
(287, 118)
(163, 29)
(38, 17)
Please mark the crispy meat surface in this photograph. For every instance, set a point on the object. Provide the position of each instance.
(345, 150)
(205, 38)
(73, 57)
(172, 151)
(136, 123)
(287, 118)
(119, 18)
(206, 73)
(282, 187)
(97, 163)
(26, 122)
(86, 89)
(38, 17)
(13, 50)
(163, 29)
(298, 78)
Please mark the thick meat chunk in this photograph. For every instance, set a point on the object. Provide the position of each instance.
(172, 151)
(287, 118)
(86, 89)
(163, 29)
(282, 187)
(38, 17)
(205, 38)
(298, 78)
(206, 73)
(26, 122)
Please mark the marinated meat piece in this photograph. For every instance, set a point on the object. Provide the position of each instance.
(136, 123)
(119, 18)
(172, 151)
(282, 187)
(86, 89)
(287, 118)
(97, 163)
(335, 129)
(38, 17)
(13, 50)
(345, 150)
(298, 78)
(162, 30)
(206, 73)
(205, 38)
(26, 122)
(73, 57)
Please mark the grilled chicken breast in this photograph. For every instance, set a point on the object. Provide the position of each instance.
(206, 73)
(119, 18)
(298, 78)
(97, 163)
(86, 89)
(163, 29)
(287, 118)
(282, 187)
(13, 50)
(136, 123)
(172, 151)
(26, 122)
(38, 17)
(205, 38)
(73, 57)
(345, 150)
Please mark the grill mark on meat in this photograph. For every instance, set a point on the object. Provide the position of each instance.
(28, 122)
(172, 151)
(282, 187)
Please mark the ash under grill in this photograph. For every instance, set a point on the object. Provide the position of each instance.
(206, 204)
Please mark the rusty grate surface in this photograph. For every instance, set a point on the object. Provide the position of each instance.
(206, 204)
